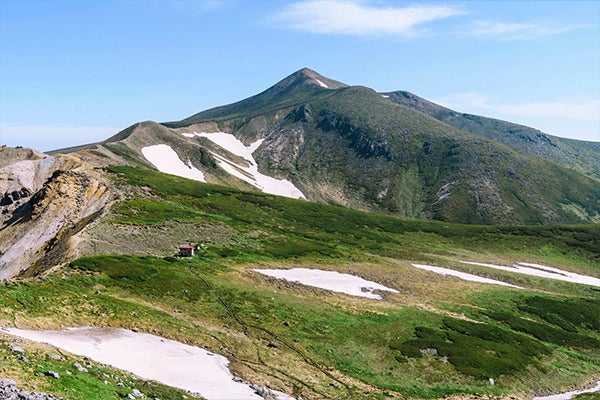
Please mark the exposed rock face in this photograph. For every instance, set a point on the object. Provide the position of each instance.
(44, 200)
(10, 391)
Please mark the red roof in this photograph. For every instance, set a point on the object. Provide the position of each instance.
(186, 246)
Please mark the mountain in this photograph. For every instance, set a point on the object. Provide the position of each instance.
(381, 306)
(301, 86)
(579, 155)
(393, 153)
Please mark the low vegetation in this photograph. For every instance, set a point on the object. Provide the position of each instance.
(437, 337)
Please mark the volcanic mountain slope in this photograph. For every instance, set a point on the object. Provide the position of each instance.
(349, 145)
(579, 155)
(45, 199)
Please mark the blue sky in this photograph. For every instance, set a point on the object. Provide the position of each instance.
(74, 72)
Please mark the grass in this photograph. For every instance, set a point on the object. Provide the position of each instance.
(435, 338)
(363, 341)
(350, 231)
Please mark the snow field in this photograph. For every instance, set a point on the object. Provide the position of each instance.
(542, 271)
(321, 84)
(151, 357)
(249, 174)
(329, 280)
(570, 395)
(462, 275)
(166, 160)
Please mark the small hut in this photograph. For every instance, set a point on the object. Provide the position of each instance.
(187, 250)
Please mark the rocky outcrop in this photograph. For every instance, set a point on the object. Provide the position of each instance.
(43, 202)
(10, 391)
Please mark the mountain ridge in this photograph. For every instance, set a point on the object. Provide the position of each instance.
(581, 155)
(392, 153)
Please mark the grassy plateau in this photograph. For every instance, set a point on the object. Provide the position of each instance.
(438, 336)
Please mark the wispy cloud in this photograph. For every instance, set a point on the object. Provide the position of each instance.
(575, 118)
(579, 109)
(516, 31)
(357, 18)
(582, 111)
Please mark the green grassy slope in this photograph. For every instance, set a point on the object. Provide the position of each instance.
(439, 336)
(579, 155)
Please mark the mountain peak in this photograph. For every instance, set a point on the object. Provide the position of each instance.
(303, 83)
(308, 78)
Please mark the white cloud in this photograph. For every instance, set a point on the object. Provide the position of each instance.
(573, 118)
(45, 138)
(359, 19)
(582, 111)
(516, 31)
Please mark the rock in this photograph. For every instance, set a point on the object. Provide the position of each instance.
(262, 391)
(16, 349)
(7, 382)
(137, 393)
(274, 345)
(56, 357)
(80, 368)
(335, 384)
(52, 374)
(23, 359)
(237, 379)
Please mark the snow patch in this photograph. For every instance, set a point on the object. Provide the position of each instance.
(570, 395)
(249, 174)
(543, 271)
(462, 275)
(385, 96)
(321, 84)
(445, 191)
(151, 357)
(166, 160)
(329, 280)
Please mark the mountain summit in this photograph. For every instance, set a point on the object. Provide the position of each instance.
(299, 85)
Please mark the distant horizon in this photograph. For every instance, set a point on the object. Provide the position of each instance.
(79, 72)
